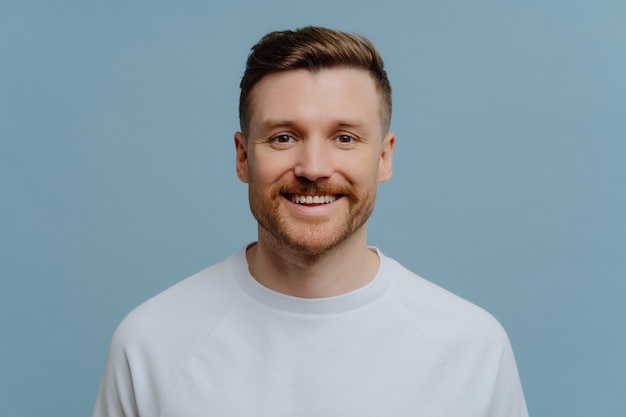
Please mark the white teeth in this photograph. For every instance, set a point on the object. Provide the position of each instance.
(309, 199)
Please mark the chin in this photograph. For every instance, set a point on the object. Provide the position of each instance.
(309, 248)
(314, 242)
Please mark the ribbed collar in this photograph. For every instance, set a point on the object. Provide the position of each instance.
(311, 306)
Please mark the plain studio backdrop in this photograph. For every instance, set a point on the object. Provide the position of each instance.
(117, 174)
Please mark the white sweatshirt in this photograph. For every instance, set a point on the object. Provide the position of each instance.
(221, 344)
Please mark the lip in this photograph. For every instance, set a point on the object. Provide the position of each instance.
(312, 199)
(313, 209)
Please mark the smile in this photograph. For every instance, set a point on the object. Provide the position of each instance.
(312, 199)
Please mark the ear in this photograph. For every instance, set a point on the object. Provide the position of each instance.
(385, 165)
(241, 148)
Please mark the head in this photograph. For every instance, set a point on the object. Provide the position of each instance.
(313, 49)
(314, 141)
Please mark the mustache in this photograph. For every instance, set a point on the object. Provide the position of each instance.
(305, 187)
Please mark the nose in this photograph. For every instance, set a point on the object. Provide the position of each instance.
(314, 160)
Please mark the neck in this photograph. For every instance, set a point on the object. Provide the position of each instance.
(337, 271)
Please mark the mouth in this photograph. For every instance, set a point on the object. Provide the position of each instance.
(312, 199)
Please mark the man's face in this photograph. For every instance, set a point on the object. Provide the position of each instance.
(314, 155)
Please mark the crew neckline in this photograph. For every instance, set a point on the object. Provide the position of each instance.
(313, 306)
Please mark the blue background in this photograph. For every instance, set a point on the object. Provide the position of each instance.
(117, 174)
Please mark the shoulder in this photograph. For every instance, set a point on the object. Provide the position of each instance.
(473, 344)
(155, 340)
(441, 315)
(190, 306)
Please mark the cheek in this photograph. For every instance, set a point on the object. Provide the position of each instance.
(363, 169)
(269, 170)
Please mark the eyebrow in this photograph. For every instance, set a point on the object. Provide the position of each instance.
(272, 123)
(277, 123)
(269, 125)
(353, 124)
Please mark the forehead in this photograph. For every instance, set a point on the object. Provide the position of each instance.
(341, 93)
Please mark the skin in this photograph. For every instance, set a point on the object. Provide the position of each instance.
(314, 134)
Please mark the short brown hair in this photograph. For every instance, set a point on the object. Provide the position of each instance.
(312, 48)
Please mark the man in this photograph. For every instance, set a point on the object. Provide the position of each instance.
(309, 320)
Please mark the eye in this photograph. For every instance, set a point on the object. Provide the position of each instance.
(345, 139)
(281, 139)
